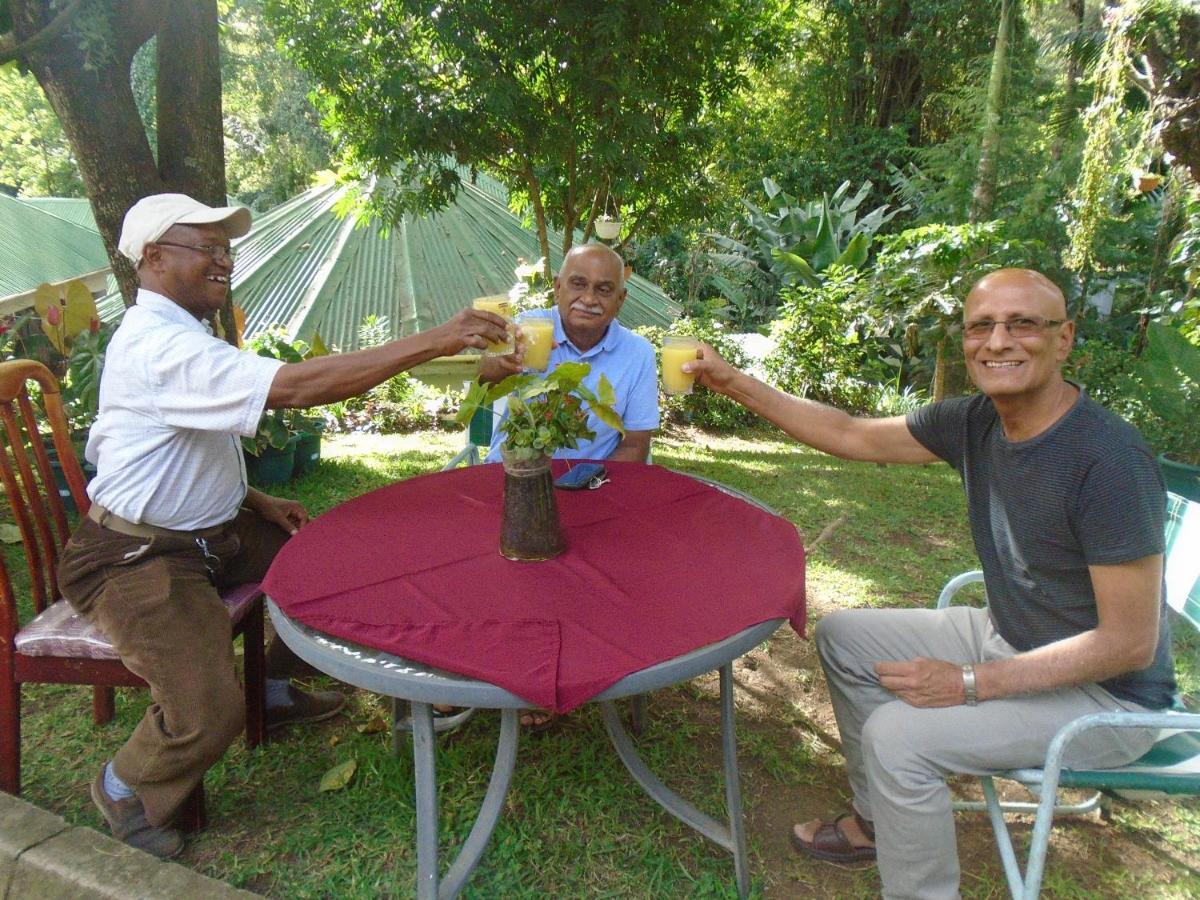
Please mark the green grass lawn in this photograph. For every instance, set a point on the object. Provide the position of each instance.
(575, 825)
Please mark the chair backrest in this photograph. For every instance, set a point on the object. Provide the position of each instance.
(1182, 557)
(29, 480)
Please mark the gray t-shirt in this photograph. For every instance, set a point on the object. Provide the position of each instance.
(1084, 492)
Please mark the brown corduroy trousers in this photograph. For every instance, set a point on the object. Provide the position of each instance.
(155, 601)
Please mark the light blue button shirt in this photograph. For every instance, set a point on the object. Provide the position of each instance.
(627, 360)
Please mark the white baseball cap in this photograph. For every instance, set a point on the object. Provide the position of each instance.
(149, 219)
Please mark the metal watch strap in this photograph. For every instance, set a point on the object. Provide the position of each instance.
(968, 675)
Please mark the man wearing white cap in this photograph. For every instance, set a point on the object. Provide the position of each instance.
(172, 519)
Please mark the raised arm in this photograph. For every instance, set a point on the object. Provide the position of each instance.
(822, 427)
(326, 379)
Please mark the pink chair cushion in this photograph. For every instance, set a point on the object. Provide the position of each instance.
(60, 631)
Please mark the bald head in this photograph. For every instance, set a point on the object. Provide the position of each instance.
(1023, 284)
(598, 252)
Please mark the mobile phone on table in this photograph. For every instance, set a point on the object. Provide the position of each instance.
(581, 476)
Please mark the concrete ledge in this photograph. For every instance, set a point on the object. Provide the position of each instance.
(42, 856)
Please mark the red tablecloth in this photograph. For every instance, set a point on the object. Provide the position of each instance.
(657, 564)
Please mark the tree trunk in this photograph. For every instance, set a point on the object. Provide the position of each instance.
(91, 95)
(191, 147)
(539, 214)
(983, 198)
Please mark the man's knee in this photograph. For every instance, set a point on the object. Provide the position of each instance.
(834, 631)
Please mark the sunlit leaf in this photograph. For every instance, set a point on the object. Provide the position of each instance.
(10, 534)
(375, 725)
(65, 310)
(339, 776)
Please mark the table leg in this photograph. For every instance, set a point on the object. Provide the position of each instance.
(425, 774)
(428, 886)
(733, 837)
(733, 784)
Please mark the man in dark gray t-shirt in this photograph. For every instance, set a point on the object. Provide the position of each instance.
(1066, 509)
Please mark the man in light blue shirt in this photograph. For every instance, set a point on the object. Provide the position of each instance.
(588, 293)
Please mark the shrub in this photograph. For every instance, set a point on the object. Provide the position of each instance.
(822, 348)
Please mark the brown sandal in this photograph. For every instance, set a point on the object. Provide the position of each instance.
(831, 844)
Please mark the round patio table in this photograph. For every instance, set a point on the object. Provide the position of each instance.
(308, 614)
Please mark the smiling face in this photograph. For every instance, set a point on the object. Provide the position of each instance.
(589, 291)
(192, 278)
(1007, 368)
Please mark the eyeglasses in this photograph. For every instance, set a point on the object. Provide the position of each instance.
(216, 251)
(1020, 327)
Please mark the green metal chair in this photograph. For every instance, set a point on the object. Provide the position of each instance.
(479, 435)
(1170, 767)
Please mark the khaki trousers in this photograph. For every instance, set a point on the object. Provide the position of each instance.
(154, 600)
(898, 756)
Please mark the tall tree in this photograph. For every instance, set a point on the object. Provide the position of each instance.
(984, 196)
(573, 104)
(80, 53)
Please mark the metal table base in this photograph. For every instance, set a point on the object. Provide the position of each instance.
(423, 686)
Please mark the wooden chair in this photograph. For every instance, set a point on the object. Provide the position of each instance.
(55, 645)
(1170, 767)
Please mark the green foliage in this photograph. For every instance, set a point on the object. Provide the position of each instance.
(1158, 393)
(276, 426)
(81, 384)
(274, 144)
(702, 408)
(545, 412)
(822, 351)
(789, 243)
(37, 158)
(564, 101)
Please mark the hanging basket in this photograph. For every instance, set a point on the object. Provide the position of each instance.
(608, 229)
(530, 529)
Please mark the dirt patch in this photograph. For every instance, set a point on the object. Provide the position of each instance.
(783, 707)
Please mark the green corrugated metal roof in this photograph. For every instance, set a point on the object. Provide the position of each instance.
(36, 246)
(305, 269)
(76, 210)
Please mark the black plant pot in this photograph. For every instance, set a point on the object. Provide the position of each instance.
(530, 529)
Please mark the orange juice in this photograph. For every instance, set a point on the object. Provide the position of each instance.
(678, 349)
(537, 334)
(500, 305)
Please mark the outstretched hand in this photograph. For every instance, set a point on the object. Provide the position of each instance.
(710, 369)
(923, 682)
(469, 328)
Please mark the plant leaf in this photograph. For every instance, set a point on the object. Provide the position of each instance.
(339, 776)
(10, 534)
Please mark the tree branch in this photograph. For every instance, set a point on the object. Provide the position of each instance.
(9, 48)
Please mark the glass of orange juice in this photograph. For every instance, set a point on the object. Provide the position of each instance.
(537, 334)
(676, 350)
(501, 306)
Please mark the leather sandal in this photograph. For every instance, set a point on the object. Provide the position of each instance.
(831, 844)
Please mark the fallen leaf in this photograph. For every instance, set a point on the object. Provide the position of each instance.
(377, 724)
(339, 776)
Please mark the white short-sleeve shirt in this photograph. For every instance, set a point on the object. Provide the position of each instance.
(174, 401)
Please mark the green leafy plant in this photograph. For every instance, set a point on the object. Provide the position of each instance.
(546, 412)
(276, 426)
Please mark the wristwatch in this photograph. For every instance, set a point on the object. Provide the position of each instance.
(968, 672)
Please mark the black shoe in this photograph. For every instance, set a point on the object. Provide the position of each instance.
(127, 821)
(305, 706)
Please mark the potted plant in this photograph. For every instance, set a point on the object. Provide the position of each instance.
(288, 442)
(546, 412)
(607, 227)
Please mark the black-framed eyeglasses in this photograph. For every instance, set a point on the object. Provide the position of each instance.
(216, 251)
(1018, 327)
